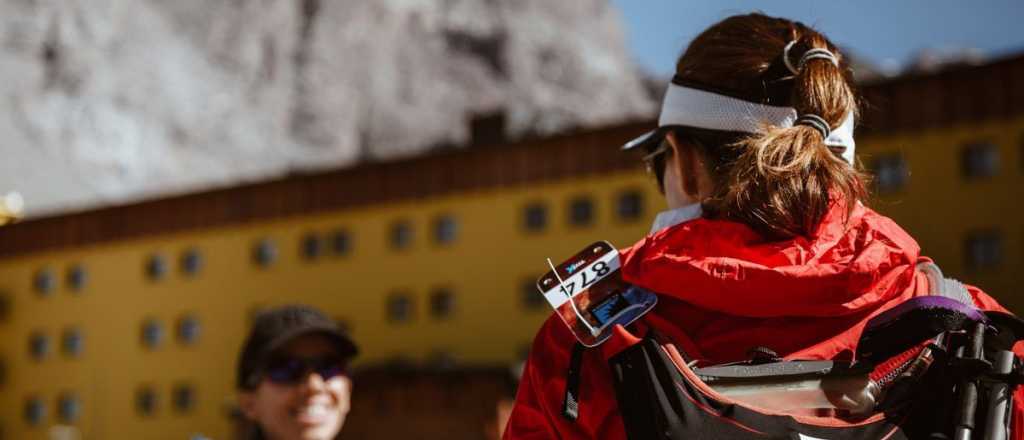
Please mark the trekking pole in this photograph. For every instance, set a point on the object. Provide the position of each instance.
(968, 403)
(999, 397)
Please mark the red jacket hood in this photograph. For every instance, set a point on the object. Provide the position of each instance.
(848, 265)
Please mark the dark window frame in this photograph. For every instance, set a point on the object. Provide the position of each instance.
(39, 346)
(401, 234)
(69, 407)
(191, 261)
(443, 303)
(341, 242)
(183, 398)
(188, 330)
(44, 282)
(629, 205)
(72, 342)
(891, 172)
(531, 298)
(535, 216)
(979, 160)
(152, 334)
(265, 252)
(984, 249)
(446, 229)
(400, 307)
(77, 277)
(156, 267)
(147, 401)
(581, 211)
(311, 246)
(35, 411)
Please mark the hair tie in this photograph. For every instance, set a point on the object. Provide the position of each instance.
(816, 122)
(812, 54)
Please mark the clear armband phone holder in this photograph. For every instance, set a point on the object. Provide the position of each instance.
(588, 293)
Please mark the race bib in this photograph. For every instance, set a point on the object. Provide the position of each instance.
(588, 293)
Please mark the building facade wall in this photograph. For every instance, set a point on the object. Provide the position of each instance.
(484, 268)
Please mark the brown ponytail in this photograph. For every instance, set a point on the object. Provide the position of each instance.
(782, 180)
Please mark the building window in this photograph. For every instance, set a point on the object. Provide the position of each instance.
(264, 253)
(5, 306)
(532, 298)
(341, 242)
(400, 307)
(401, 234)
(3, 372)
(984, 250)
(69, 408)
(630, 205)
(156, 267)
(39, 346)
(152, 334)
(312, 246)
(535, 216)
(189, 330)
(442, 303)
(446, 228)
(184, 397)
(72, 342)
(581, 211)
(191, 262)
(890, 170)
(35, 411)
(77, 277)
(980, 160)
(146, 401)
(44, 281)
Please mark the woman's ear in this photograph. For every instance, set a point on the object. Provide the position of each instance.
(687, 160)
(247, 404)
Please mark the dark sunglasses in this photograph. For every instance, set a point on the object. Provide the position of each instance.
(650, 159)
(293, 370)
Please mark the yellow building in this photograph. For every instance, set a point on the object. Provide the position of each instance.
(947, 150)
(125, 322)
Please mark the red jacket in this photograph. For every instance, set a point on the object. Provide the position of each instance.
(724, 290)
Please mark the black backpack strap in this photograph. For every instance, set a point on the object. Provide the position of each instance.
(571, 405)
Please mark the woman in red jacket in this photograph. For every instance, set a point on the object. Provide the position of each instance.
(766, 244)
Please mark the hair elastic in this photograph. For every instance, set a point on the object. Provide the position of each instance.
(812, 54)
(816, 122)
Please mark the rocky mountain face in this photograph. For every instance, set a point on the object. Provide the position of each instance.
(109, 101)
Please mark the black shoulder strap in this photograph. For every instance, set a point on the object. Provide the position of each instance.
(571, 406)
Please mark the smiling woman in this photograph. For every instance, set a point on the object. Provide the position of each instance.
(292, 377)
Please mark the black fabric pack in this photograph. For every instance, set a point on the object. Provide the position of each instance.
(658, 402)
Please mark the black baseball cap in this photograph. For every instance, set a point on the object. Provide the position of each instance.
(274, 328)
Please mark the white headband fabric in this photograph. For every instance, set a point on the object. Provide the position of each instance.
(697, 108)
(702, 109)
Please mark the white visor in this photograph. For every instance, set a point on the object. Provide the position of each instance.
(689, 107)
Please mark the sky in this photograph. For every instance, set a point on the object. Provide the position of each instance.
(886, 33)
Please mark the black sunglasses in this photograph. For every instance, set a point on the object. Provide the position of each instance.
(650, 159)
(293, 370)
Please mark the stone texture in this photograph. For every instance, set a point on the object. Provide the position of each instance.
(109, 101)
